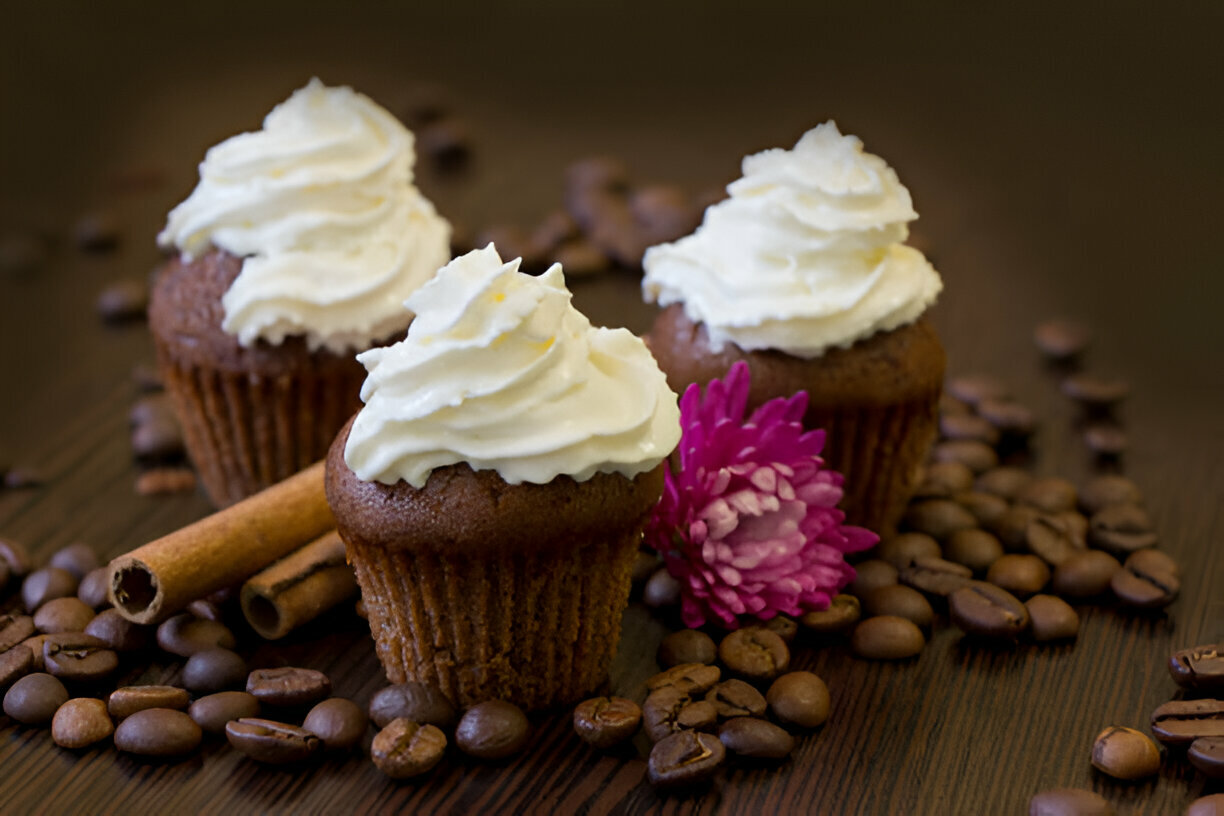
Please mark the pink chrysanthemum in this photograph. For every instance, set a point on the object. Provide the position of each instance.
(749, 524)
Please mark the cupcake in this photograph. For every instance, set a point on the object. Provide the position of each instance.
(802, 273)
(295, 251)
(492, 491)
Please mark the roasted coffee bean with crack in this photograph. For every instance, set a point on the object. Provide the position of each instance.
(842, 613)
(687, 678)
(271, 742)
(936, 576)
(1121, 528)
(987, 611)
(686, 646)
(735, 698)
(754, 654)
(1200, 668)
(1181, 722)
(685, 759)
(603, 722)
(1145, 584)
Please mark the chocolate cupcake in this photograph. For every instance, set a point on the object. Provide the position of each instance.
(803, 274)
(295, 251)
(492, 492)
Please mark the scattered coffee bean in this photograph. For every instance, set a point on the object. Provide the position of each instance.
(1075, 525)
(603, 722)
(15, 557)
(735, 698)
(1021, 575)
(1050, 494)
(512, 242)
(211, 713)
(754, 654)
(119, 633)
(271, 742)
(35, 645)
(78, 559)
(96, 231)
(1069, 802)
(871, 574)
(799, 699)
(214, 670)
(93, 587)
(1181, 722)
(684, 759)
(338, 723)
(1125, 753)
(1153, 561)
(987, 610)
(206, 610)
(288, 686)
(935, 576)
(1200, 668)
(968, 426)
(15, 663)
(987, 508)
(843, 612)
(972, 389)
(783, 626)
(668, 710)
(404, 749)
(975, 549)
(1047, 538)
(1012, 418)
(938, 518)
(1062, 340)
(418, 702)
(1102, 491)
(33, 699)
(14, 629)
(886, 638)
(1012, 527)
(185, 634)
(1207, 754)
(661, 590)
(903, 548)
(902, 601)
(1145, 584)
(126, 701)
(755, 739)
(158, 732)
(1095, 392)
(1211, 805)
(977, 456)
(63, 615)
(686, 646)
(19, 478)
(1004, 482)
(446, 142)
(581, 258)
(663, 212)
(494, 729)
(157, 441)
(556, 228)
(1106, 439)
(598, 172)
(162, 481)
(78, 657)
(81, 722)
(47, 584)
(1085, 574)
(687, 678)
(123, 300)
(1051, 618)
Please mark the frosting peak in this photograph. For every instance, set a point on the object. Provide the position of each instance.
(321, 207)
(500, 371)
(805, 255)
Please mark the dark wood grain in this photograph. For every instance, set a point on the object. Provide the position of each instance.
(1065, 161)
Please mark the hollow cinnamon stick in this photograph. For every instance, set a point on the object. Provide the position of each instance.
(162, 577)
(298, 588)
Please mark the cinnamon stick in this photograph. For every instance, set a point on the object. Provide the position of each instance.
(162, 577)
(298, 588)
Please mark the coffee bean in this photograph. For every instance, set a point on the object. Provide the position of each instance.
(78, 657)
(886, 638)
(1075, 525)
(735, 698)
(157, 440)
(754, 654)
(14, 629)
(162, 481)
(987, 610)
(118, 632)
(1200, 668)
(987, 508)
(147, 378)
(968, 426)
(1095, 392)
(288, 686)
(938, 518)
(126, 701)
(63, 615)
(270, 742)
(96, 231)
(1004, 482)
(598, 172)
(696, 716)
(1106, 439)
(972, 389)
(1069, 802)
(1021, 575)
(1012, 418)
(949, 404)
(1085, 575)
(977, 456)
(185, 634)
(755, 739)
(902, 601)
(47, 584)
(556, 228)
(935, 576)
(975, 549)
(404, 749)
(1051, 618)
(123, 300)
(446, 142)
(1050, 494)
(151, 408)
(1125, 753)
(35, 645)
(661, 590)
(214, 670)
(15, 557)
(664, 212)
(871, 574)
(512, 242)
(15, 663)
(1102, 491)
(799, 699)
(77, 559)
(687, 678)
(644, 566)
(33, 699)
(1211, 805)
(1153, 561)
(158, 732)
(903, 548)
(206, 610)
(684, 759)
(18, 478)
(92, 589)
(783, 626)
(338, 723)
(1180, 722)
(494, 729)
(1062, 340)
(603, 722)
(81, 722)
(686, 646)
(1012, 527)
(581, 258)
(668, 710)
(843, 612)
(1207, 754)
(418, 702)
(211, 713)
(1145, 584)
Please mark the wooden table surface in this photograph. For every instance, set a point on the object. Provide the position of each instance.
(1065, 161)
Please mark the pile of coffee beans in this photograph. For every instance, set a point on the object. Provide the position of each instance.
(158, 446)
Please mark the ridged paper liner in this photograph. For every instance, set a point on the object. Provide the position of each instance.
(538, 629)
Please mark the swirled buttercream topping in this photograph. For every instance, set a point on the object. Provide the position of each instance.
(805, 255)
(321, 206)
(500, 371)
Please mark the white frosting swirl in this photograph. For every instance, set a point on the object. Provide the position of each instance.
(321, 207)
(805, 255)
(500, 371)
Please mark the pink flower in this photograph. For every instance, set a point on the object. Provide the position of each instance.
(749, 524)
